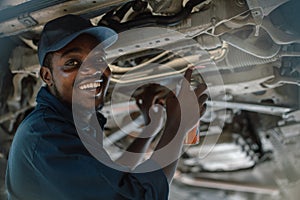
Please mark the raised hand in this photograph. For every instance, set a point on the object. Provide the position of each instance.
(188, 106)
(147, 99)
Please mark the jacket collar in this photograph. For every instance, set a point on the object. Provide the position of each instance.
(45, 98)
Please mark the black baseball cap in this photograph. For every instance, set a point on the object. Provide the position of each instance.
(61, 31)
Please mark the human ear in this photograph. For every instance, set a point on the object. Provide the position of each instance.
(46, 75)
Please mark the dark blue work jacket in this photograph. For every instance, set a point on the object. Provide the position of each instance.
(48, 161)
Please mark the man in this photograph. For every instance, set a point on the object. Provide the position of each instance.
(48, 160)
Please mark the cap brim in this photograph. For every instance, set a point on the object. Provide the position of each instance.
(104, 35)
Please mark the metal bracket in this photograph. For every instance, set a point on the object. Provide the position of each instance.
(279, 80)
(27, 20)
(261, 8)
(265, 6)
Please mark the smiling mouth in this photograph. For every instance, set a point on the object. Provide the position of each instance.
(91, 85)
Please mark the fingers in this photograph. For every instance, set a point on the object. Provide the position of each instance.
(156, 110)
(151, 90)
(156, 122)
(200, 89)
(188, 74)
(187, 79)
(139, 102)
(150, 93)
(203, 109)
(202, 99)
(157, 98)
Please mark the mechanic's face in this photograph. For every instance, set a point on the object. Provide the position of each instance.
(86, 83)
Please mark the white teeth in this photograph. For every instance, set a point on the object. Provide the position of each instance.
(90, 85)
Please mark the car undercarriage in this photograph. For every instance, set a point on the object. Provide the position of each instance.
(246, 51)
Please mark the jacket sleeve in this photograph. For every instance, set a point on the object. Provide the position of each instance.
(84, 177)
(62, 168)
